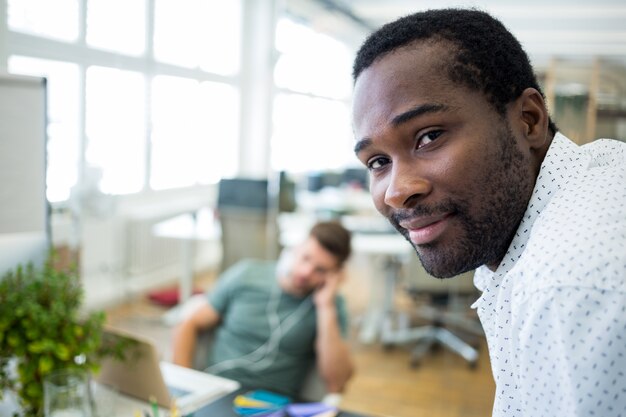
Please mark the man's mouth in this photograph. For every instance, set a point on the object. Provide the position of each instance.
(426, 229)
(300, 281)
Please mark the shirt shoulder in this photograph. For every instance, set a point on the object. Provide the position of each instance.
(580, 236)
(248, 271)
(606, 152)
(249, 274)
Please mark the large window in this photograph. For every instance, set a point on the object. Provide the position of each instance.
(148, 104)
(52, 19)
(310, 134)
(311, 112)
(115, 123)
(128, 18)
(146, 93)
(192, 33)
(194, 132)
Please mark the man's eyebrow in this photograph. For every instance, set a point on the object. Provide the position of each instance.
(402, 118)
(418, 111)
(362, 144)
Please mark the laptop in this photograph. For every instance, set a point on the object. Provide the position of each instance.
(144, 376)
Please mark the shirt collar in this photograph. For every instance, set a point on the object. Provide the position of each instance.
(563, 158)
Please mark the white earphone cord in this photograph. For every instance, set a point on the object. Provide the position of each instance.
(268, 350)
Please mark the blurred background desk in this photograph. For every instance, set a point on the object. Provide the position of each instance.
(393, 251)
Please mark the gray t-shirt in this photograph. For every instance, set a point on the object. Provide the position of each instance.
(248, 299)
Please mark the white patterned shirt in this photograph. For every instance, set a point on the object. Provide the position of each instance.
(554, 312)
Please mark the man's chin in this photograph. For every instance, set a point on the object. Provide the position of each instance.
(438, 264)
(301, 290)
(437, 258)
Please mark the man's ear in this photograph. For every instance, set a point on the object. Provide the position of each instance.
(530, 117)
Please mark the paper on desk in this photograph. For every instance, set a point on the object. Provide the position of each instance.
(329, 413)
(254, 411)
(244, 401)
(276, 413)
(260, 403)
(311, 410)
(268, 396)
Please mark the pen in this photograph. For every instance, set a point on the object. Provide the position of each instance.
(173, 409)
(155, 408)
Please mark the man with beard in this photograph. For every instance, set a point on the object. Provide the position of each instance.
(274, 321)
(465, 162)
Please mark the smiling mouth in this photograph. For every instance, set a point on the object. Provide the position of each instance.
(426, 231)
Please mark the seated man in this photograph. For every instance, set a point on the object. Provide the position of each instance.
(274, 320)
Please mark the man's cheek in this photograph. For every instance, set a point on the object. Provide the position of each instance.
(378, 197)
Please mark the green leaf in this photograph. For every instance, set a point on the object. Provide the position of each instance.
(62, 352)
(4, 321)
(78, 331)
(45, 365)
(33, 333)
(33, 390)
(37, 347)
(14, 339)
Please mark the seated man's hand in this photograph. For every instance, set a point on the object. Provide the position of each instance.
(324, 296)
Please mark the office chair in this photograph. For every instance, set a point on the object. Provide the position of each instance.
(313, 388)
(244, 211)
(447, 325)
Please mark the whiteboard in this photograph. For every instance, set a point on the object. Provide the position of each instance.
(24, 212)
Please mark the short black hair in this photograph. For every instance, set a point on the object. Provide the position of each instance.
(488, 58)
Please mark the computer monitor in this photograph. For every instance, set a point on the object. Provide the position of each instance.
(356, 176)
(316, 181)
(243, 193)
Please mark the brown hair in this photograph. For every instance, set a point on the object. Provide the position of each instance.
(334, 238)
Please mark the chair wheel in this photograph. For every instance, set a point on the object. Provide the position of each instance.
(387, 347)
(473, 365)
(414, 363)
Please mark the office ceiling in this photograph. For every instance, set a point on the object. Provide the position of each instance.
(568, 29)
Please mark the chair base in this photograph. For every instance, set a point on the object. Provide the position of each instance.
(426, 337)
(445, 338)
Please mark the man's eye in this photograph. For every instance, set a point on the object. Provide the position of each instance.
(377, 163)
(428, 137)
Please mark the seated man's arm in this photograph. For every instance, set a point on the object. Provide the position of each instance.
(204, 317)
(333, 353)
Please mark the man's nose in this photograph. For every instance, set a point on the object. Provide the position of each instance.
(406, 184)
(307, 269)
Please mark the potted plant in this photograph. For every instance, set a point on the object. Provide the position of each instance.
(42, 329)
